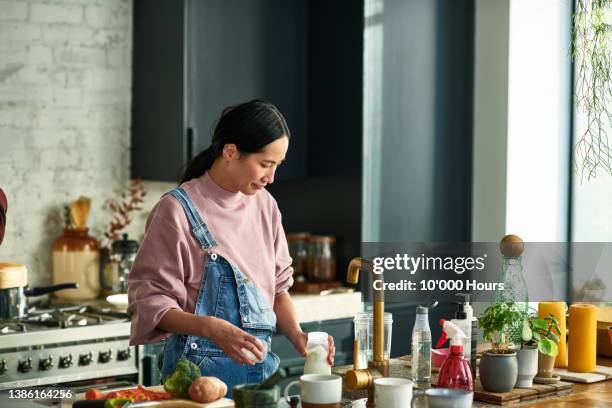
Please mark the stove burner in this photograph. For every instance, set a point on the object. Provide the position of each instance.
(63, 316)
(7, 327)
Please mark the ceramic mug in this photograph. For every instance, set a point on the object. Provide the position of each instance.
(391, 392)
(318, 390)
(444, 398)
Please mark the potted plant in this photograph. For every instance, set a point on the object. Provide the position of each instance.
(499, 366)
(544, 334)
(537, 339)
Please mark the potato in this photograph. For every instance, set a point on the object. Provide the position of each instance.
(207, 389)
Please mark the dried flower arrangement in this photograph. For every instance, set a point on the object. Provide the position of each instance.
(131, 200)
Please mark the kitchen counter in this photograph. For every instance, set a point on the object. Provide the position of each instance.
(583, 395)
(309, 307)
(313, 308)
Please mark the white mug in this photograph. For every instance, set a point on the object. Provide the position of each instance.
(318, 389)
(391, 392)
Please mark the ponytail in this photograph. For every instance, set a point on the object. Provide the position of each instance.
(199, 164)
(251, 126)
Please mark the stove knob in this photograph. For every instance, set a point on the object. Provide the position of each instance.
(105, 356)
(25, 365)
(85, 359)
(123, 355)
(45, 363)
(3, 367)
(66, 361)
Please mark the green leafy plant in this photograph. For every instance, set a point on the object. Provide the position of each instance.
(497, 322)
(592, 54)
(543, 333)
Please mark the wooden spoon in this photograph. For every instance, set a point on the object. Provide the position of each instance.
(79, 211)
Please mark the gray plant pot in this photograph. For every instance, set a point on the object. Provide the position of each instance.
(527, 366)
(498, 372)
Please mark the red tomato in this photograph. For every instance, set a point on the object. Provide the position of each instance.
(94, 394)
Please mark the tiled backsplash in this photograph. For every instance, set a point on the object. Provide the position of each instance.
(65, 94)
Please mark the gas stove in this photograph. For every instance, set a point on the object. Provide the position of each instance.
(64, 344)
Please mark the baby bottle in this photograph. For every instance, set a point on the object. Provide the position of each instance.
(316, 355)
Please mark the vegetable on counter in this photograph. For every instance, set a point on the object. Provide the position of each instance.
(207, 389)
(116, 402)
(179, 381)
(131, 394)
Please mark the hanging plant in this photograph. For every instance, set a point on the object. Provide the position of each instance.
(591, 51)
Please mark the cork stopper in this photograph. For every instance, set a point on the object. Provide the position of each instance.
(511, 246)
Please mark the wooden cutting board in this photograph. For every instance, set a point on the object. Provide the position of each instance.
(173, 403)
(519, 395)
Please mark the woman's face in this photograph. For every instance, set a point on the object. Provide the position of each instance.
(252, 172)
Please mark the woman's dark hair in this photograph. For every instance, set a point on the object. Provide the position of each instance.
(250, 126)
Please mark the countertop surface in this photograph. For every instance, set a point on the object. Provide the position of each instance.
(309, 307)
(596, 395)
(583, 395)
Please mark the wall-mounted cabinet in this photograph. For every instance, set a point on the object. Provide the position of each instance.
(192, 58)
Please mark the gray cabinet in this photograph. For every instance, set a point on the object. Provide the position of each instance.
(192, 58)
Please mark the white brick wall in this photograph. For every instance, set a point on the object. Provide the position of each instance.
(65, 94)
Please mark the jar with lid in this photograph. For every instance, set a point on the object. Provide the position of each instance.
(76, 258)
(117, 264)
(322, 259)
(298, 249)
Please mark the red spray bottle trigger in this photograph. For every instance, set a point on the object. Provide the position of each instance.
(443, 337)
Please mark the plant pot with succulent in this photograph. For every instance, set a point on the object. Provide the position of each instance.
(498, 366)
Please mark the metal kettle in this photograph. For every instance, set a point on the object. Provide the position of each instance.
(115, 265)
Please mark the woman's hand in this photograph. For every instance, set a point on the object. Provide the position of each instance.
(332, 350)
(232, 340)
(300, 340)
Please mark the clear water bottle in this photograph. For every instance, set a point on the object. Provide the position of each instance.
(421, 349)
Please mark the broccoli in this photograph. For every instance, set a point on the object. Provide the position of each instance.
(179, 381)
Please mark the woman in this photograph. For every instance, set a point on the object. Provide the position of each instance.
(213, 271)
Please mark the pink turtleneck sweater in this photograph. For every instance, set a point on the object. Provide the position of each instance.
(168, 269)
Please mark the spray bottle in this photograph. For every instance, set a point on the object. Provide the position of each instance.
(455, 372)
(468, 326)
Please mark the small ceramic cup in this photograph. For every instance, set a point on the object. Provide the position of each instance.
(393, 392)
(318, 390)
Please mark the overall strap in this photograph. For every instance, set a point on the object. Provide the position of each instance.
(198, 227)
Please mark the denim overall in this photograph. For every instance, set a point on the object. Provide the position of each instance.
(225, 293)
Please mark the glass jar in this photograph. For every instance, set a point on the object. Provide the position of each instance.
(116, 265)
(322, 259)
(364, 335)
(298, 249)
(76, 258)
